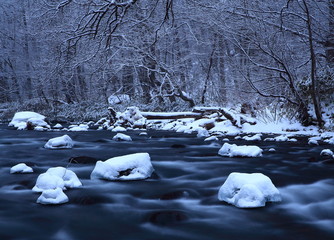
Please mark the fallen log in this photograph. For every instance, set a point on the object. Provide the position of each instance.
(171, 115)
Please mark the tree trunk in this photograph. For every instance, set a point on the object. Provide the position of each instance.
(314, 85)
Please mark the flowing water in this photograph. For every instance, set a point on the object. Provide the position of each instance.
(178, 202)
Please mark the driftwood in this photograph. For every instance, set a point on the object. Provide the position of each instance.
(172, 115)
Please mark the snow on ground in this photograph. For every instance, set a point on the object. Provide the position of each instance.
(232, 150)
(21, 168)
(122, 137)
(59, 142)
(52, 196)
(245, 190)
(128, 167)
(28, 120)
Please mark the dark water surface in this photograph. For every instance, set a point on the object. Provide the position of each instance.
(178, 202)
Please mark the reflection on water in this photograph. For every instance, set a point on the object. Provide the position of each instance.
(179, 201)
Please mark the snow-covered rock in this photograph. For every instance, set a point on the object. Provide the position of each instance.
(232, 150)
(330, 141)
(69, 177)
(58, 126)
(131, 117)
(28, 120)
(143, 134)
(212, 138)
(327, 152)
(202, 132)
(80, 128)
(59, 142)
(122, 137)
(281, 138)
(57, 177)
(313, 142)
(21, 168)
(128, 167)
(245, 190)
(271, 150)
(46, 181)
(119, 129)
(256, 137)
(52, 196)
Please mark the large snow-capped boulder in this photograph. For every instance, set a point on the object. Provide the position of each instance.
(52, 196)
(128, 167)
(59, 142)
(21, 168)
(245, 190)
(28, 120)
(122, 137)
(57, 177)
(232, 150)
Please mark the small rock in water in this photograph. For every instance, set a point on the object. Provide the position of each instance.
(59, 142)
(122, 137)
(212, 138)
(202, 133)
(82, 160)
(232, 150)
(52, 196)
(58, 126)
(135, 166)
(167, 217)
(313, 142)
(178, 146)
(21, 168)
(272, 150)
(326, 152)
(119, 129)
(174, 195)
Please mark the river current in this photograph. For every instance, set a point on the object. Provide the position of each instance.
(179, 201)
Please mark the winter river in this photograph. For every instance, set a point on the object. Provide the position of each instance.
(178, 202)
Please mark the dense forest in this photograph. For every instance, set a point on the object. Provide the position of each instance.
(166, 55)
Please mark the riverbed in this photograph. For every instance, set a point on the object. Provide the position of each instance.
(179, 201)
